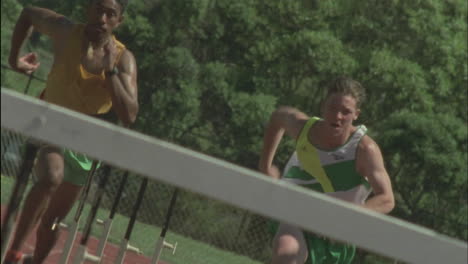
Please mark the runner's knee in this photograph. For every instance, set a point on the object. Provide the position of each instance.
(286, 245)
(49, 168)
(289, 245)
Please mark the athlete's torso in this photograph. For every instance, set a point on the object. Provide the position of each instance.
(70, 85)
(329, 171)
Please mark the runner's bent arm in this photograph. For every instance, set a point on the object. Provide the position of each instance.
(284, 120)
(43, 20)
(370, 164)
(124, 90)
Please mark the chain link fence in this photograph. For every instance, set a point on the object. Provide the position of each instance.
(203, 226)
(205, 230)
(202, 230)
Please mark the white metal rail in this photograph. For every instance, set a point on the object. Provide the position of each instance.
(227, 182)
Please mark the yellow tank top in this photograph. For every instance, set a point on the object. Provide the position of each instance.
(71, 86)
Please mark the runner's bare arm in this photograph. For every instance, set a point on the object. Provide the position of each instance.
(124, 89)
(370, 164)
(43, 20)
(287, 120)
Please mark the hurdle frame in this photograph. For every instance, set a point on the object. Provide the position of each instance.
(161, 243)
(170, 164)
(124, 245)
(16, 197)
(73, 228)
(82, 253)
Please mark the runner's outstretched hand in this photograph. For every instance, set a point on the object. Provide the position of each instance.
(26, 64)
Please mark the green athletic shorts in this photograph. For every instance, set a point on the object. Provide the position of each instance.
(322, 250)
(76, 167)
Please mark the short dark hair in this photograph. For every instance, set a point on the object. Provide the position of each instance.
(347, 86)
(123, 4)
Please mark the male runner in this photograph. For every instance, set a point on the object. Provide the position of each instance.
(92, 73)
(333, 157)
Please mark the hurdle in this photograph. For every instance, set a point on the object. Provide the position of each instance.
(124, 245)
(107, 224)
(17, 196)
(161, 243)
(73, 228)
(82, 253)
(172, 163)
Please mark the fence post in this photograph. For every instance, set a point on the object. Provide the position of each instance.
(31, 76)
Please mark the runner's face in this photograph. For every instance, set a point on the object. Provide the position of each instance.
(339, 112)
(103, 17)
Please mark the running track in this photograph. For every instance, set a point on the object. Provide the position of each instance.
(110, 251)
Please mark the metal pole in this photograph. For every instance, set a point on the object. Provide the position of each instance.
(17, 196)
(162, 236)
(82, 254)
(97, 201)
(131, 223)
(108, 222)
(31, 76)
(73, 228)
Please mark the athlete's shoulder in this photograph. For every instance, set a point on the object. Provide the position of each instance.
(119, 44)
(127, 59)
(48, 22)
(368, 146)
(127, 64)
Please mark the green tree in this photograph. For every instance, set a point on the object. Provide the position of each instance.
(427, 157)
(212, 71)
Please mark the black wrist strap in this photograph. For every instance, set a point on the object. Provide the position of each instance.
(114, 71)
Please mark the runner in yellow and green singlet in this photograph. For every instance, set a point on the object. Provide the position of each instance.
(332, 156)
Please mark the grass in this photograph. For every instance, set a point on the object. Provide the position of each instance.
(18, 82)
(144, 237)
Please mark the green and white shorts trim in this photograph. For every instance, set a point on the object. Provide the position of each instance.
(320, 250)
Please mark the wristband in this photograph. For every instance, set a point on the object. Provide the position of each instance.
(112, 72)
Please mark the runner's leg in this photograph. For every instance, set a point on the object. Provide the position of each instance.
(289, 246)
(49, 170)
(61, 203)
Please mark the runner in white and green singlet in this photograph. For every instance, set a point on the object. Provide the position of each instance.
(332, 156)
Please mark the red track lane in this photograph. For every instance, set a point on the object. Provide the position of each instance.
(110, 251)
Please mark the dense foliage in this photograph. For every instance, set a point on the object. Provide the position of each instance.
(212, 71)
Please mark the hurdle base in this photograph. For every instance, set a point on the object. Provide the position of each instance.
(134, 249)
(92, 258)
(124, 247)
(72, 232)
(82, 255)
(60, 225)
(170, 246)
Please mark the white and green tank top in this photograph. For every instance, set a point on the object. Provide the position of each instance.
(332, 172)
